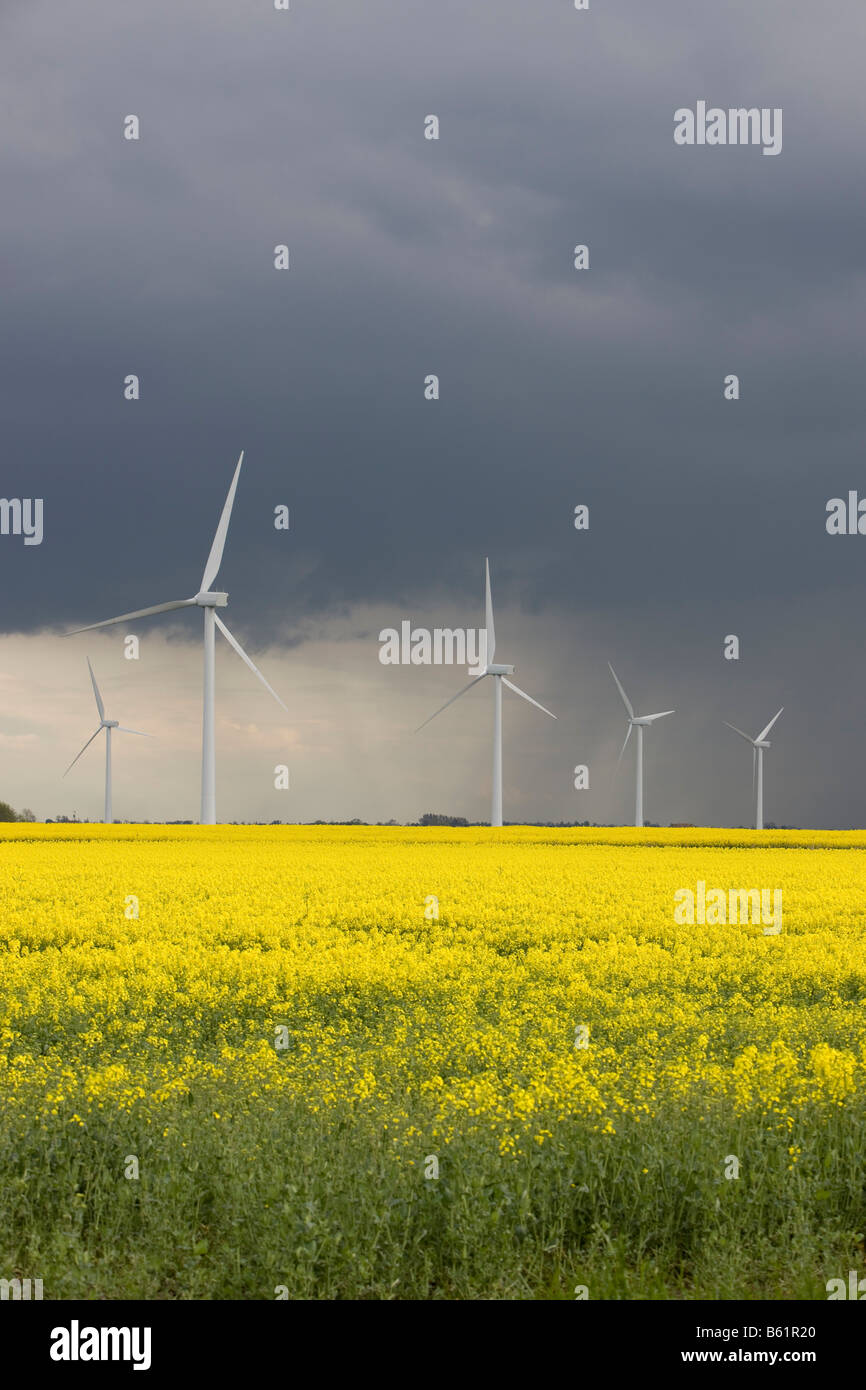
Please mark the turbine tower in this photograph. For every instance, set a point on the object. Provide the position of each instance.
(107, 725)
(758, 746)
(639, 722)
(209, 601)
(500, 676)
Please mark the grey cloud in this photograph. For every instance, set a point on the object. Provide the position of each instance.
(453, 257)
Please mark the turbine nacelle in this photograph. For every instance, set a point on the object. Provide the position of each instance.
(208, 600)
(109, 724)
(761, 741)
(499, 670)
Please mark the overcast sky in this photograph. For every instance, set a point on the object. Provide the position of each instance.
(557, 387)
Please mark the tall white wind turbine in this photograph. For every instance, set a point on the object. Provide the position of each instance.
(639, 722)
(758, 746)
(499, 674)
(107, 725)
(209, 601)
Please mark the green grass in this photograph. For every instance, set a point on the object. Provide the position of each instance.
(234, 1207)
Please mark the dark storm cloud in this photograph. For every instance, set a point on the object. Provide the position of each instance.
(411, 257)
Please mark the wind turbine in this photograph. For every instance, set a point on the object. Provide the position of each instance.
(499, 674)
(639, 722)
(209, 601)
(107, 725)
(758, 746)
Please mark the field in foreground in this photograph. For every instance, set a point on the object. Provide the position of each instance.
(287, 1041)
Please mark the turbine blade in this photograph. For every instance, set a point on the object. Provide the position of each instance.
(450, 702)
(518, 691)
(747, 737)
(243, 656)
(622, 750)
(121, 730)
(626, 701)
(214, 560)
(658, 716)
(763, 734)
(87, 745)
(99, 705)
(139, 613)
(488, 614)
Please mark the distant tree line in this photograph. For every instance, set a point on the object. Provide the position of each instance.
(429, 818)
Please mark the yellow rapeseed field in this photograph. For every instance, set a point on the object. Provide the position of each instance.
(501, 992)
